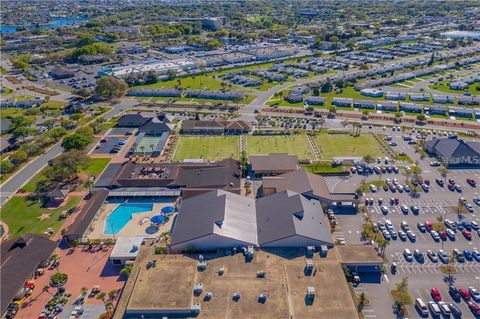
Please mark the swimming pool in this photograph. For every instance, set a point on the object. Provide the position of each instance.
(121, 215)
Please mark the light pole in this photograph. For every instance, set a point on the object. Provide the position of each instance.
(113, 231)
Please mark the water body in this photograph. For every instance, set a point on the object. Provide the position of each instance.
(60, 22)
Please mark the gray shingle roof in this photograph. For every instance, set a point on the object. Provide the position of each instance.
(254, 222)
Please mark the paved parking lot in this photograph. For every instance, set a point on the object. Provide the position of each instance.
(107, 146)
(437, 202)
(120, 131)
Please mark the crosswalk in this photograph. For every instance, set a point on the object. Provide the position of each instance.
(429, 267)
(332, 182)
(427, 207)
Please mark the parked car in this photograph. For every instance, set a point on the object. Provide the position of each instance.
(435, 235)
(464, 293)
(474, 308)
(455, 310)
(428, 225)
(454, 293)
(432, 256)
(408, 254)
(434, 309)
(421, 227)
(467, 254)
(442, 255)
(435, 293)
(471, 182)
(404, 209)
(373, 188)
(476, 200)
(411, 235)
(474, 294)
(445, 309)
(450, 234)
(439, 182)
(467, 234)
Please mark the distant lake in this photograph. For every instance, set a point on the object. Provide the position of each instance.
(60, 22)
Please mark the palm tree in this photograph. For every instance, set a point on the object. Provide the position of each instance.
(89, 185)
(451, 267)
(443, 171)
(362, 300)
(46, 289)
(142, 149)
(382, 245)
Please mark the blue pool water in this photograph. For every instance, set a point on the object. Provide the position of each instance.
(121, 215)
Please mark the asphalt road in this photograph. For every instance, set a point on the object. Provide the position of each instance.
(14, 183)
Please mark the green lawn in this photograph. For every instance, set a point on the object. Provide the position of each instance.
(332, 145)
(52, 104)
(291, 144)
(324, 167)
(23, 215)
(205, 81)
(94, 168)
(444, 87)
(207, 147)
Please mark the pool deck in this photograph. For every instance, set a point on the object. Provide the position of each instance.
(134, 226)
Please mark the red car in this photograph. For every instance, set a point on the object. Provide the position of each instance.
(442, 234)
(474, 308)
(467, 234)
(471, 182)
(436, 294)
(464, 293)
(451, 181)
(451, 187)
(427, 182)
(428, 225)
(103, 140)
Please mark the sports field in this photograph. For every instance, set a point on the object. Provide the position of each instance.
(210, 148)
(332, 145)
(291, 144)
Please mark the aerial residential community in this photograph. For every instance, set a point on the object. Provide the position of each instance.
(240, 159)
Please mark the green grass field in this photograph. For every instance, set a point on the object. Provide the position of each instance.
(94, 168)
(206, 81)
(207, 147)
(23, 215)
(291, 144)
(332, 145)
(53, 104)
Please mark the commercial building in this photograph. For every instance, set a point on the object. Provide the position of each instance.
(455, 152)
(224, 220)
(125, 250)
(158, 66)
(309, 185)
(272, 164)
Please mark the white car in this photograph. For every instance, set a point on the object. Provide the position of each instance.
(388, 224)
(373, 188)
(450, 234)
(474, 293)
(444, 308)
(435, 235)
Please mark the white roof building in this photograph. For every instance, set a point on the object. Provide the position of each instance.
(125, 249)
